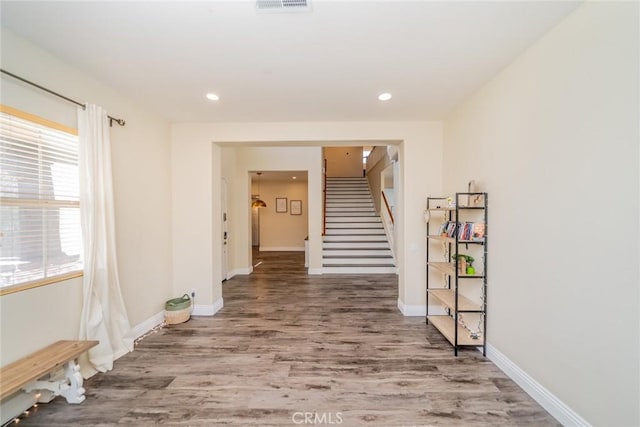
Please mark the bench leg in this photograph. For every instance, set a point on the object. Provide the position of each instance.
(74, 392)
(71, 387)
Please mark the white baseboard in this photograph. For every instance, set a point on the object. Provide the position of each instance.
(207, 309)
(281, 249)
(557, 408)
(146, 325)
(314, 271)
(241, 271)
(412, 310)
(419, 310)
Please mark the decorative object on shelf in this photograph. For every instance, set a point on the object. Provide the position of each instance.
(465, 263)
(296, 207)
(461, 297)
(281, 204)
(474, 198)
(427, 215)
(477, 200)
(462, 265)
(478, 231)
(450, 202)
(471, 188)
(258, 202)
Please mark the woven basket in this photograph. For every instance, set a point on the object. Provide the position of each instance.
(177, 310)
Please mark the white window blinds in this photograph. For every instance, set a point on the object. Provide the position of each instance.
(40, 235)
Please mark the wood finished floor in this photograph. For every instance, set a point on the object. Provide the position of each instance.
(286, 342)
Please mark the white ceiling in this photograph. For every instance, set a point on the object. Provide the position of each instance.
(280, 176)
(326, 65)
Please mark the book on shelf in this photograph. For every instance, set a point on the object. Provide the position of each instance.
(451, 229)
(471, 231)
(448, 229)
(464, 231)
(442, 231)
(467, 231)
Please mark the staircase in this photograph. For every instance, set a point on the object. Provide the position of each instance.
(355, 241)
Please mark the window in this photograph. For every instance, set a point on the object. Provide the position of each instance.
(40, 235)
(365, 153)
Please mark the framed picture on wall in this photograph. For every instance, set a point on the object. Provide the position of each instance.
(296, 207)
(281, 204)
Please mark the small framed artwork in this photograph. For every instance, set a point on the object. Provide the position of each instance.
(281, 204)
(296, 207)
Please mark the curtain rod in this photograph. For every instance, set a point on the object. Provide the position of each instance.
(121, 122)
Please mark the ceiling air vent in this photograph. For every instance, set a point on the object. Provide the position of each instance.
(283, 5)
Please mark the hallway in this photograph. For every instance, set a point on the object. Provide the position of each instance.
(286, 344)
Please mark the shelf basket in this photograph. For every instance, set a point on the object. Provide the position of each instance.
(177, 310)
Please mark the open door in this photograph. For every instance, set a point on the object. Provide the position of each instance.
(225, 232)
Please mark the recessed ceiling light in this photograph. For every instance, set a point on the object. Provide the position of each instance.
(384, 96)
(294, 177)
(212, 97)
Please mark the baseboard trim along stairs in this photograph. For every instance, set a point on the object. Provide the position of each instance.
(355, 241)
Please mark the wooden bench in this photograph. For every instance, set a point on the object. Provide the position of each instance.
(25, 373)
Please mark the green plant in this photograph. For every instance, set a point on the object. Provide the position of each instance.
(468, 258)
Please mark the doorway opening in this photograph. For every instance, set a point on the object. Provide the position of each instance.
(281, 225)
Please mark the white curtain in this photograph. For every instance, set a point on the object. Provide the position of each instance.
(104, 317)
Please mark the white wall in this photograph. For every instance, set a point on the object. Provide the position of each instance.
(193, 177)
(140, 156)
(377, 161)
(343, 161)
(554, 140)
